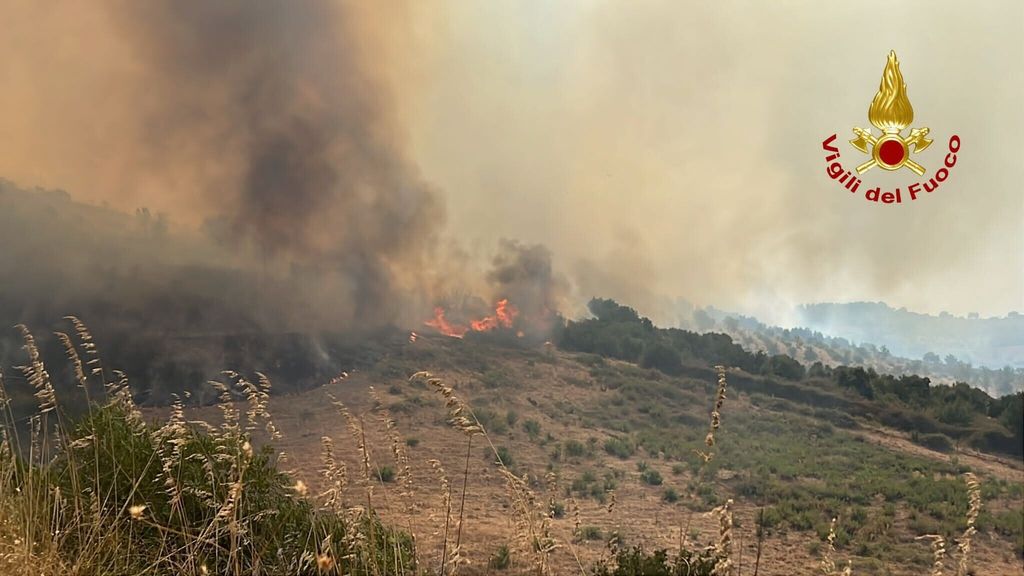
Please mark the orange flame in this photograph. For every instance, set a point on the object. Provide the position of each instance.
(444, 326)
(504, 316)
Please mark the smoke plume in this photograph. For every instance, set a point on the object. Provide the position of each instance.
(660, 149)
(267, 125)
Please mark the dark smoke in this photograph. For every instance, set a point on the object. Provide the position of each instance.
(271, 127)
(524, 274)
(283, 94)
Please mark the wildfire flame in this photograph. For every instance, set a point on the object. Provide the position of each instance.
(504, 316)
(890, 110)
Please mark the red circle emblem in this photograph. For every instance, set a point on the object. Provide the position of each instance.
(891, 152)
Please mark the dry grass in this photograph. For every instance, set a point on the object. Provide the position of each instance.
(203, 500)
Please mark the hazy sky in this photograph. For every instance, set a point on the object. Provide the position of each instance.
(660, 149)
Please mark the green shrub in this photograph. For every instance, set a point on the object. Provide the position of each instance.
(180, 479)
(651, 477)
(492, 422)
(532, 428)
(557, 510)
(496, 379)
(386, 474)
(937, 442)
(575, 449)
(504, 456)
(635, 562)
(619, 448)
(670, 496)
(501, 559)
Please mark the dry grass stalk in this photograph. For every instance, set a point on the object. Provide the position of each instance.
(973, 509)
(446, 508)
(35, 372)
(357, 431)
(533, 531)
(334, 473)
(75, 359)
(532, 536)
(828, 565)
(87, 343)
(460, 416)
(398, 451)
(723, 547)
(401, 459)
(938, 545)
(716, 416)
(576, 524)
(142, 526)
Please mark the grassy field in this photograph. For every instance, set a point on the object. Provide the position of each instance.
(510, 459)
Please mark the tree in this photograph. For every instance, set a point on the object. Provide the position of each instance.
(856, 378)
(661, 356)
(608, 310)
(785, 366)
(818, 370)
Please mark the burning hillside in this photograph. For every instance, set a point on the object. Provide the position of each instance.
(528, 294)
(504, 316)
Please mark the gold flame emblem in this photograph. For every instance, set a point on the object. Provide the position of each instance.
(891, 113)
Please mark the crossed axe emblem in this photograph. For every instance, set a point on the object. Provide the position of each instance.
(891, 151)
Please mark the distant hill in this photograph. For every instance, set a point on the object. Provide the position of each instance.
(812, 344)
(988, 342)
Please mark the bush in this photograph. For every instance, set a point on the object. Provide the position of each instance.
(635, 562)
(557, 510)
(575, 449)
(532, 428)
(501, 559)
(386, 474)
(166, 489)
(937, 442)
(504, 456)
(620, 448)
(670, 496)
(651, 477)
(492, 422)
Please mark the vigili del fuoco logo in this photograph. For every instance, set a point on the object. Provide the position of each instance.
(891, 113)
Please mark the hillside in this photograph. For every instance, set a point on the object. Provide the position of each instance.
(989, 342)
(605, 427)
(886, 355)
